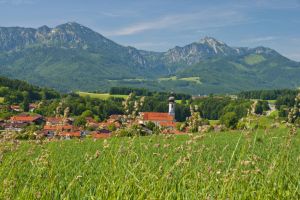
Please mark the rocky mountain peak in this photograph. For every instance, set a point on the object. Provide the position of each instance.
(211, 41)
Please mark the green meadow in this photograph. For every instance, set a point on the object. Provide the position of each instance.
(102, 96)
(258, 164)
(175, 78)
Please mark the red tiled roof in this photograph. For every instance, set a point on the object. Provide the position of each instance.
(21, 118)
(106, 124)
(14, 125)
(115, 117)
(90, 120)
(157, 116)
(70, 134)
(100, 135)
(54, 119)
(168, 131)
(168, 124)
(58, 127)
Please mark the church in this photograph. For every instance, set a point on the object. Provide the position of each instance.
(166, 120)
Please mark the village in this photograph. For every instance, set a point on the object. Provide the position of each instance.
(62, 126)
(134, 117)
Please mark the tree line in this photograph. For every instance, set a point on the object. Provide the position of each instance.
(266, 94)
(145, 92)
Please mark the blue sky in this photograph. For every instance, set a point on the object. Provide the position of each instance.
(162, 24)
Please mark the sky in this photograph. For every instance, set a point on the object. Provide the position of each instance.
(159, 25)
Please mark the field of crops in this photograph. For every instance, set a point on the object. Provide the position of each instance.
(231, 165)
(103, 96)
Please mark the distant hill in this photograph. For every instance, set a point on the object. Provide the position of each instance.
(16, 91)
(73, 57)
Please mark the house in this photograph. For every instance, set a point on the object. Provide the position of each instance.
(18, 127)
(15, 108)
(158, 118)
(166, 120)
(116, 118)
(106, 125)
(52, 130)
(19, 122)
(26, 118)
(113, 120)
(53, 121)
(32, 107)
(69, 135)
(103, 133)
(90, 122)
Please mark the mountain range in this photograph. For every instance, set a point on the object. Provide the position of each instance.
(72, 57)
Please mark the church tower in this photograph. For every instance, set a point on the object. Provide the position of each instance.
(172, 105)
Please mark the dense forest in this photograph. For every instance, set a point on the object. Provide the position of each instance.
(266, 94)
(16, 91)
(145, 92)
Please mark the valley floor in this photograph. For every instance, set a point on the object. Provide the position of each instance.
(262, 164)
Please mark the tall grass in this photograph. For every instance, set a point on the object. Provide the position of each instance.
(250, 165)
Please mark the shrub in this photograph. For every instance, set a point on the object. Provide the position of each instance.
(230, 120)
(111, 127)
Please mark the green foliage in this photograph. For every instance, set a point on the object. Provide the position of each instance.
(150, 125)
(127, 91)
(15, 91)
(267, 94)
(87, 113)
(230, 120)
(261, 107)
(132, 131)
(102, 96)
(145, 92)
(80, 121)
(85, 106)
(159, 103)
(229, 165)
(254, 59)
(112, 127)
(213, 108)
(77, 58)
(287, 100)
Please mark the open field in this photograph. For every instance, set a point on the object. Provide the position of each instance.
(103, 96)
(254, 59)
(1, 99)
(214, 122)
(174, 78)
(262, 164)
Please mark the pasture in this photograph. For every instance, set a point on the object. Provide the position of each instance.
(175, 78)
(102, 96)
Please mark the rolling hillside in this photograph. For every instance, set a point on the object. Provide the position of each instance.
(72, 57)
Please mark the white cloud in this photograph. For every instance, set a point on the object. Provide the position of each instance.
(213, 18)
(144, 26)
(260, 39)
